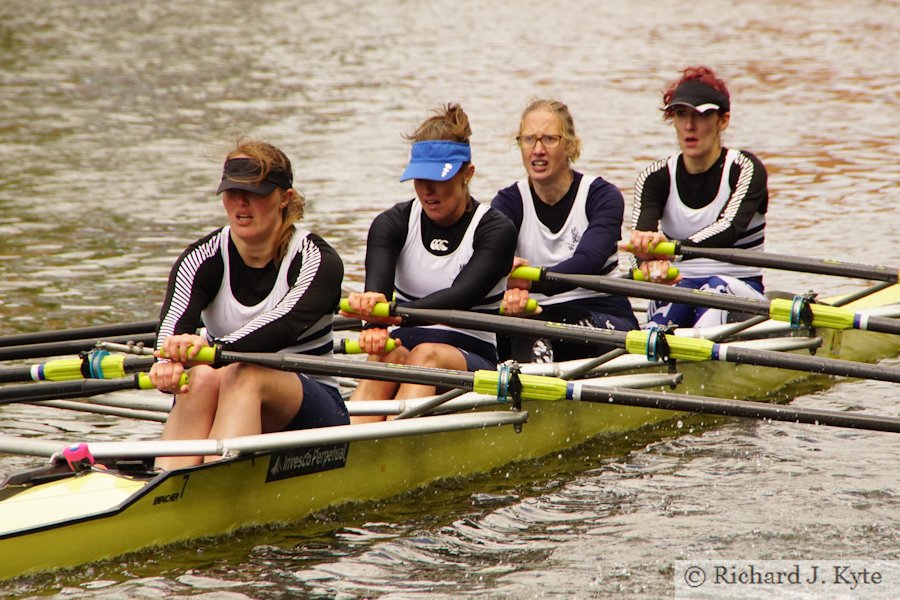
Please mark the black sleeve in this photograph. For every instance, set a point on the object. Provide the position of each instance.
(651, 190)
(193, 282)
(748, 181)
(495, 247)
(387, 235)
(315, 273)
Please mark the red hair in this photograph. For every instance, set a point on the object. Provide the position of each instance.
(701, 73)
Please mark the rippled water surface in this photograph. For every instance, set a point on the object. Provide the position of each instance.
(114, 120)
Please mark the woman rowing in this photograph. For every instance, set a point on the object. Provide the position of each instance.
(568, 222)
(706, 195)
(441, 250)
(259, 284)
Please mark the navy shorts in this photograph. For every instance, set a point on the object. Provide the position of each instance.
(478, 354)
(322, 406)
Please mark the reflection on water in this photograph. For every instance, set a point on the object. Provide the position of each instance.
(115, 119)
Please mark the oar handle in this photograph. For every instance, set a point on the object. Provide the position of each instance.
(672, 248)
(352, 346)
(385, 309)
(638, 275)
(144, 383)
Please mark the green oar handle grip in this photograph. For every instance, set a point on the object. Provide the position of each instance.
(527, 273)
(206, 355)
(352, 346)
(530, 307)
(69, 369)
(381, 309)
(638, 275)
(144, 383)
(664, 248)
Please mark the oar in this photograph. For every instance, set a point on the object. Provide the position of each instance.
(84, 388)
(535, 387)
(96, 365)
(822, 315)
(783, 262)
(647, 342)
(68, 347)
(62, 342)
(79, 333)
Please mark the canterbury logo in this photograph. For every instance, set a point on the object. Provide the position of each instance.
(439, 245)
(447, 168)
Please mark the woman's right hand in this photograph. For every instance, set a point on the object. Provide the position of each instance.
(657, 271)
(515, 302)
(166, 377)
(373, 340)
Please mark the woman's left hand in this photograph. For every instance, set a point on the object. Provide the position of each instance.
(182, 348)
(515, 302)
(363, 303)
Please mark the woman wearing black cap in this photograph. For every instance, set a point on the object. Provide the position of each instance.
(441, 250)
(259, 284)
(707, 195)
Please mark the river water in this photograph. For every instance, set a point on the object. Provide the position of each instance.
(115, 117)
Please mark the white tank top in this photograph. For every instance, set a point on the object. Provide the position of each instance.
(680, 221)
(419, 272)
(226, 315)
(542, 248)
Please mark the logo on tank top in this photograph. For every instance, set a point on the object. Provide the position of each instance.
(575, 236)
(439, 245)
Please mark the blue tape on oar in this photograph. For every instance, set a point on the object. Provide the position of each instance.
(96, 368)
(503, 371)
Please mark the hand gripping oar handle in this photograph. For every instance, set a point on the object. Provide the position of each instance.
(779, 310)
(755, 258)
(388, 309)
(348, 346)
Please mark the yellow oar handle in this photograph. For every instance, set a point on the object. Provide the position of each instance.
(144, 382)
(530, 307)
(526, 273)
(207, 354)
(383, 309)
(638, 275)
(352, 346)
(663, 248)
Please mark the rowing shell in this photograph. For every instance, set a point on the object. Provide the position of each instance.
(283, 477)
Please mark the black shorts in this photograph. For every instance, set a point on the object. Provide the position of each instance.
(322, 406)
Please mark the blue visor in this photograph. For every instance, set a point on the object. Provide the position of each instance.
(437, 160)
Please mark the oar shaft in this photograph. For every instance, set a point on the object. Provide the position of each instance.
(811, 364)
(84, 388)
(80, 333)
(67, 347)
(791, 263)
(315, 365)
(736, 408)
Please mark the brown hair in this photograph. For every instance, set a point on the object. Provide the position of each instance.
(566, 123)
(450, 123)
(268, 157)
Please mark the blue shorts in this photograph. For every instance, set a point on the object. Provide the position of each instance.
(322, 406)
(478, 353)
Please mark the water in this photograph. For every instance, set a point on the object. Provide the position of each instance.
(116, 116)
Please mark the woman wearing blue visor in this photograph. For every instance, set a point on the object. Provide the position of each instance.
(443, 250)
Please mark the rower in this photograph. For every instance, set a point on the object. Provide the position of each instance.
(568, 222)
(440, 250)
(706, 195)
(259, 284)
